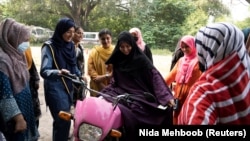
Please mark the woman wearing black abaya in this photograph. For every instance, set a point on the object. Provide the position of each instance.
(133, 73)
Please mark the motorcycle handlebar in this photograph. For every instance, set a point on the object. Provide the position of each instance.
(76, 79)
(148, 96)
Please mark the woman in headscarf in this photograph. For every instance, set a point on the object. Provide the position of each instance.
(185, 73)
(136, 33)
(176, 55)
(134, 73)
(222, 94)
(59, 57)
(80, 61)
(16, 108)
(34, 84)
(246, 32)
(98, 71)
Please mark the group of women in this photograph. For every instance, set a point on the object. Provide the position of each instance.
(212, 78)
(199, 98)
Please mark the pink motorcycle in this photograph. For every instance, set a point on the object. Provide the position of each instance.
(96, 119)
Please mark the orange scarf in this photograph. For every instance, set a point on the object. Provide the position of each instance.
(28, 57)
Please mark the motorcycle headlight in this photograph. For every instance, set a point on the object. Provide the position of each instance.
(88, 132)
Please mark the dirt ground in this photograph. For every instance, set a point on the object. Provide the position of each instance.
(162, 63)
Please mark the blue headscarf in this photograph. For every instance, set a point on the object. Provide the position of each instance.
(64, 51)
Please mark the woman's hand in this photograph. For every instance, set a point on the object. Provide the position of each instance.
(64, 71)
(99, 78)
(171, 103)
(21, 124)
(84, 78)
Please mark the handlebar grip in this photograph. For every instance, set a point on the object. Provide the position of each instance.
(71, 75)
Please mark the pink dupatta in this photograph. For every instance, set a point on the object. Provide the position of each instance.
(187, 62)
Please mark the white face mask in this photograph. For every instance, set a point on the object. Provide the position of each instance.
(23, 46)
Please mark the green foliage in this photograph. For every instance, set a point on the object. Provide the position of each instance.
(31, 12)
(212, 7)
(243, 24)
(162, 22)
(156, 51)
(162, 28)
(105, 15)
(194, 21)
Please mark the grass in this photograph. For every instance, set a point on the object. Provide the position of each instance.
(161, 52)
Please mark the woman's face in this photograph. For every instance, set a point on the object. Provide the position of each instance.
(78, 36)
(185, 48)
(125, 48)
(134, 34)
(68, 35)
(106, 40)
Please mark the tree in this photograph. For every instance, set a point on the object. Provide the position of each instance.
(78, 10)
(203, 12)
(47, 12)
(162, 22)
(212, 7)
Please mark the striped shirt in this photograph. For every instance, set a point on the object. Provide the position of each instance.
(217, 98)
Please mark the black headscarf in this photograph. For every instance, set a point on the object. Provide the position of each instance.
(131, 63)
(178, 53)
(64, 51)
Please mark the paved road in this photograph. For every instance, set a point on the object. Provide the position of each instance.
(162, 63)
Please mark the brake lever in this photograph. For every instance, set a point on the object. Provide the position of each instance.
(119, 98)
(74, 78)
(115, 103)
(69, 76)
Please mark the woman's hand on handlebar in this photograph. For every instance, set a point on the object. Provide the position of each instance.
(84, 78)
(171, 103)
(64, 71)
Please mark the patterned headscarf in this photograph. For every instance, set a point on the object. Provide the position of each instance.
(140, 43)
(217, 41)
(13, 63)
